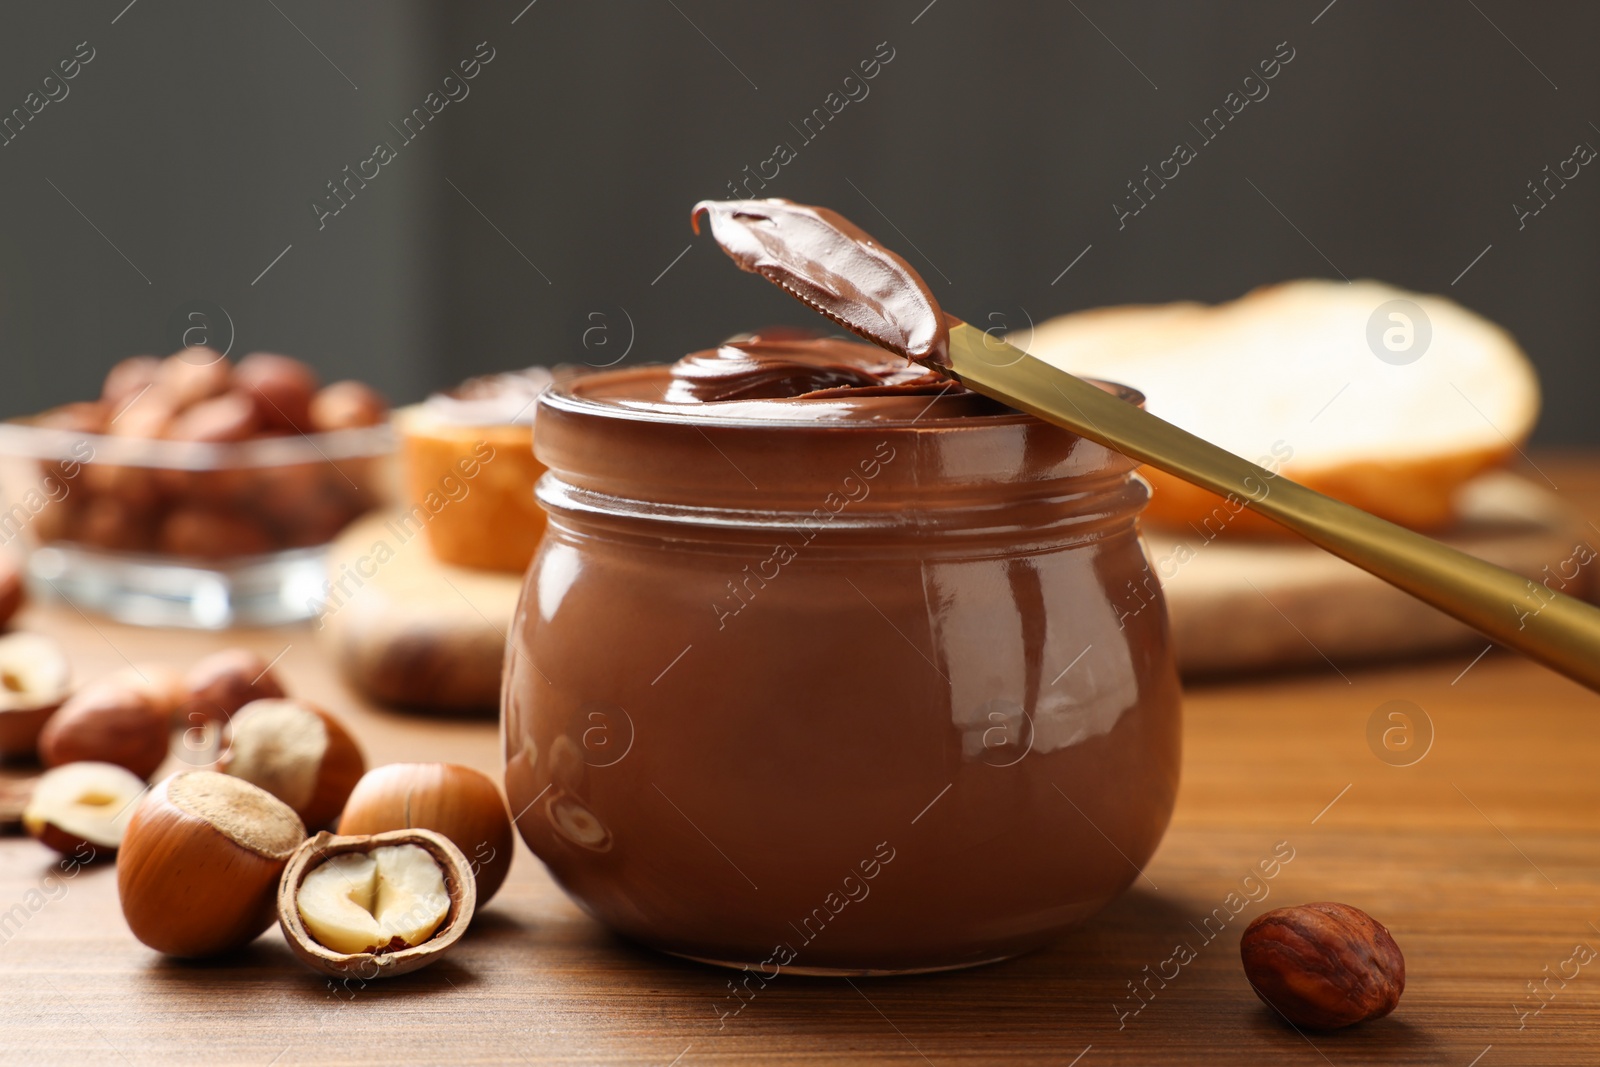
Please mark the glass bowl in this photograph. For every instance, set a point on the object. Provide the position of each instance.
(174, 533)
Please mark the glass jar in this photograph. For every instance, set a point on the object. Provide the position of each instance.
(856, 695)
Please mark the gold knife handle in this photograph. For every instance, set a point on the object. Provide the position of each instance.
(1559, 631)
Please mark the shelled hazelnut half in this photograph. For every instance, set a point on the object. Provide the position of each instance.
(200, 863)
(458, 802)
(83, 809)
(375, 906)
(298, 753)
(35, 677)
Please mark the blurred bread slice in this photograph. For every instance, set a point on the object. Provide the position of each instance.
(1286, 377)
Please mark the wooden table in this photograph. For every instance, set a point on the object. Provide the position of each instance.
(1483, 858)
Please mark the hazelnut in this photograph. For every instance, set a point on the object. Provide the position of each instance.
(84, 416)
(319, 522)
(283, 493)
(298, 753)
(144, 415)
(193, 375)
(35, 678)
(1323, 965)
(124, 719)
(223, 682)
(200, 862)
(134, 491)
(209, 533)
(128, 379)
(375, 906)
(221, 488)
(162, 682)
(347, 405)
(11, 591)
(83, 809)
(281, 388)
(229, 417)
(458, 802)
(108, 522)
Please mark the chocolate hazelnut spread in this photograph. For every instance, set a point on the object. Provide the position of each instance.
(821, 667)
(828, 262)
(802, 368)
(787, 375)
(826, 663)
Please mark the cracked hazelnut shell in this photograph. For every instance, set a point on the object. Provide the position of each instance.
(459, 884)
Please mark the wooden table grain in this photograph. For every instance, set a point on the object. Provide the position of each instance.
(1482, 856)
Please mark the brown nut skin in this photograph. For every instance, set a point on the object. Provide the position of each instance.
(83, 416)
(70, 846)
(115, 720)
(220, 684)
(317, 794)
(146, 414)
(281, 388)
(11, 591)
(164, 683)
(229, 417)
(303, 504)
(19, 732)
(107, 521)
(193, 375)
(189, 885)
(207, 533)
(461, 803)
(137, 490)
(1323, 965)
(347, 405)
(458, 881)
(128, 379)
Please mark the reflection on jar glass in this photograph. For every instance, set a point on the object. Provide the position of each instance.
(895, 673)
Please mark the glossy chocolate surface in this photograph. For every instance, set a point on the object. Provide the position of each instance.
(816, 368)
(828, 262)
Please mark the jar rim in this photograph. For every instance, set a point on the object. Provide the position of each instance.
(606, 455)
(565, 395)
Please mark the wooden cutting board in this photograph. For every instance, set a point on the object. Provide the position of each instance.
(409, 631)
(1239, 604)
(422, 634)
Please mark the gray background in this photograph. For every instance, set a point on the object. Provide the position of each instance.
(989, 150)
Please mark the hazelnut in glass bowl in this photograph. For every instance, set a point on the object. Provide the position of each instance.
(194, 491)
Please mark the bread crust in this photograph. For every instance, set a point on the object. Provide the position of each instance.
(1414, 483)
